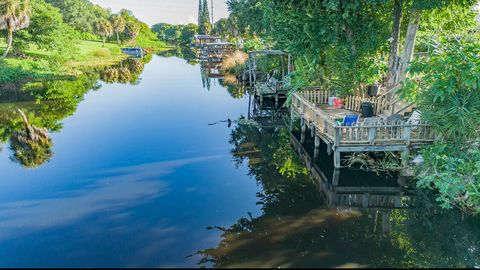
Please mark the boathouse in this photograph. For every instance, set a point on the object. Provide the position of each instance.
(200, 41)
(269, 85)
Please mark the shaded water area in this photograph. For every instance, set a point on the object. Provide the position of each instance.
(142, 168)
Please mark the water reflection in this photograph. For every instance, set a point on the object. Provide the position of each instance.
(315, 216)
(307, 214)
(30, 112)
(109, 190)
(127, 71)
(31, 146)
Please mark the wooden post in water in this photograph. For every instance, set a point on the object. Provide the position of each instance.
(304, 128)
(289, 63)
(405, 157)
(337, 160)
(250, 76)
(317, 147)
(329, 149)
(290, 126)
(386, 221)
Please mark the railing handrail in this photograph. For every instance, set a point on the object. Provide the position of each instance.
(351, 102)
(381, 131)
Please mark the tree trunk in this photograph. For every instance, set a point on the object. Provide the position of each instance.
(104, 41)
(395, 44)
(399, 70)
(353, 46)
(9, 38)
(410, 39)
(118, 38)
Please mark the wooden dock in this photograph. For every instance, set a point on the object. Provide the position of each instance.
(268, 86)
(215, 51)
(379, 135)
(266, 91)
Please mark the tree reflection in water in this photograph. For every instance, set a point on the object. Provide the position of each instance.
(29, 113)
(31, 146)
(298, 229)
(127, 71)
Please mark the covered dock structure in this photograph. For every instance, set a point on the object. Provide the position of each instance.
(269, 85)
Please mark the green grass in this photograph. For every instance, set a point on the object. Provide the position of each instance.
(92, 54)
(38, 64)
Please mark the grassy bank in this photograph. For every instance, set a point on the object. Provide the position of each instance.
(40, 64)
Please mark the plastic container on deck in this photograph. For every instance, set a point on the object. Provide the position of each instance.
(331, 101)
(367, 109)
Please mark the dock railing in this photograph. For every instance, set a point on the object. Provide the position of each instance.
(380, 132)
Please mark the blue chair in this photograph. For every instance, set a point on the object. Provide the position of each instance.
(350, 120)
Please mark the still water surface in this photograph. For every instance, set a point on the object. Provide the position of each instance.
(138, 177)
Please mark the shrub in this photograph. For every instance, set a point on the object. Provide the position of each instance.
(234, 63)
(102, 52)
(453, 170)
(446, 87)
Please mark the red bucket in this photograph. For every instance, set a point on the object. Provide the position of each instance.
(338, 103)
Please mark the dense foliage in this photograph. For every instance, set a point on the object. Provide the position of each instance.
(176, 34)
(447, 88)
(345, 45)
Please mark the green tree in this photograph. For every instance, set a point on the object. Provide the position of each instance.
(187, 33)
(14, 15)
(80, 14)
(204, 24)
(104, 28)
(47, 31)
(221, 28)
(118, 24)
(132, 30)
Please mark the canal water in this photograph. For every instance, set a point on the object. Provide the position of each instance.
(165, 169)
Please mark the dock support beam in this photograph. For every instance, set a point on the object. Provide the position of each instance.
(292, 120)
(304, 128)
(405, 157)
(329, 149)
(317, 147)
(336, 160)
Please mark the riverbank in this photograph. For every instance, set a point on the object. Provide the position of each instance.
(35, 64)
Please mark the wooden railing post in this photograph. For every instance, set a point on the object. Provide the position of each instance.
(372, 133)
(338, 135)
(407, 134)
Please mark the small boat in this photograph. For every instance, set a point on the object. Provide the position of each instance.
(137, 52)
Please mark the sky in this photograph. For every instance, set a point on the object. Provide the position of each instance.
(167, 11)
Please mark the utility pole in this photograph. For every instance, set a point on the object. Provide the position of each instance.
(212, 13)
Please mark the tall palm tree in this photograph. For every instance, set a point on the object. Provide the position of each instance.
(104, 28)
(14, 15)
(119, 24)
